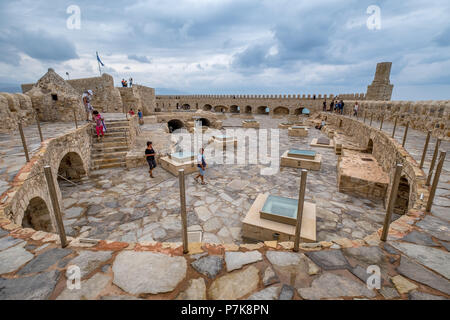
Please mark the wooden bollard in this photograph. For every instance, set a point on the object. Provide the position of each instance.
(183, 210)
(436, 181)
(24, 142)
(392, 198)
(395, 127)
(301, 201)
(405, 135)
(433, 162)
(425, 149)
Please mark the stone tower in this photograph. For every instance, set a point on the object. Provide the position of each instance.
(381, 87)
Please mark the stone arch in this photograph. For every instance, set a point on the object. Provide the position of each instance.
(234, 109)
(281, 111)
(175, 124)
(186, 106)
(71, 167)
(157, 110)
(298, 111)
(248, 109)
(263, 110)
(205, 122)
(37, 216)
(207, 107)
(220, 109)
(401, 205)
(370, 146)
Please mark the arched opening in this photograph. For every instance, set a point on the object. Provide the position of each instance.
(157, 110)
(175, 125)
(298, 112)
(186, 107)
(207, 107)
(263, 110)
(37, 216)
(402, 201)
(248, 109)
(281, 111)
(220, 109)
(71, 167)
(204, 122)
(234, 109)
(370, 147)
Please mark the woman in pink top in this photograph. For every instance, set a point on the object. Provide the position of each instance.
(98, 119)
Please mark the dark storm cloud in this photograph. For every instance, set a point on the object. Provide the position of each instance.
(142, 59)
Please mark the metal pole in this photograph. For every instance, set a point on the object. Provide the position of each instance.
(371, 119)
(301, 200)
(436, 181)
(405, 135)
(392, 198)
(433, 161)
(39, 126)
(24, 142)
(395, 127)
(382, 120)
(75, 118)
(183, 210)
(425, 149)
(55, 204)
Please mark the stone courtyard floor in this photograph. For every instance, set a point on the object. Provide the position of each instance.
(126, 205)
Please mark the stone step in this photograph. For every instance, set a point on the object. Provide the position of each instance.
(110, 140)
(116, 129)
(109, 144)
(123, 148)
(109, 155)
(109, 165)
(114, 124)
(112, 134)
(98, 162)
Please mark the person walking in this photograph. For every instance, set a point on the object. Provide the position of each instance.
(324, 105)
(150, 157)
(342, 106)
(141, 117)
(87, 104)
(131, 82)
(131, 112)
(99, 125)
(201, 164)
(355, 109)
(331, 105)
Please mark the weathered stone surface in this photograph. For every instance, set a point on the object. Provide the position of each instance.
(89, 290)
(389, 293)
(38, 287)
(88, 261)
(432, 258)
(331, 286)
(329, 260)
(403, 285)
(417, 295)
(270, 277)
(123, 297)
(236, 260)
(436, 227)
(209, 266)
(283, 259)
(419, 238)
(12, 258)
(271, 293)
(416, 272)
(148, 272)
(235, 285)
(195, 291)
(8, 242)
(45, 260)
(3, 233)
(287, 293)
(73, 212)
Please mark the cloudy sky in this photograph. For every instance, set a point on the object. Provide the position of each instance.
(232, 46)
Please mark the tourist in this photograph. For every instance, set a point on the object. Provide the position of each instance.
(141, 117)
(342, 106)
(123, 83)
(87, 104)
(131, 112)
(331, 105)
(320, 126)
(131, 82)
(99, 125)
(201, 164)
(355, 109)
(150, 156)
(325, 105)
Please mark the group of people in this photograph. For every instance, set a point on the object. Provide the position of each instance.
(94, 115)
(337, 106)
(125, 83)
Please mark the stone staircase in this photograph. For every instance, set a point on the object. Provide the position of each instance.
(111, 151)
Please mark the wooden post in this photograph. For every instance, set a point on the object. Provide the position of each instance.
(395, 127)
(55, 205)
(382, 120)
(24, 142)
(405, 135)
(433, 161)
(365, 116)
(436, 181)
(301, 200)
(425, 149)
(392, 198)
(75, 118)
(371, 119)
(183, 211)
(39, 126)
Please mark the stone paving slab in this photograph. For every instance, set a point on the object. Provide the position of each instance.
(11, 259)
(329, 260)
(44, 260)
(38, 287)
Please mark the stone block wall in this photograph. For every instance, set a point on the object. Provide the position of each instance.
(15, 107)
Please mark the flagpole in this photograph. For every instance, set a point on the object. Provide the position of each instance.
(99, 69)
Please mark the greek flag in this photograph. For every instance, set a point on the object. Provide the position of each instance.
(100, 61)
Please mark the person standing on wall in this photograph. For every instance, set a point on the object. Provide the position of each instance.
(342, 106)
(355, 109)
(150, 157)
(325, 105)
(99, 125)
(87, 104)
(201, 164)
(331, 105)
(131, 82)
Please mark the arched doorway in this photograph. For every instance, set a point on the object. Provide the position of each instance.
(37, 216)
(220, 109)
(207, 107)
(370, 147)
(298, 112)
(204, 122)
(234, 109)
(248, 109)
(263, 110)
(281, 111)
(401, 206)
(71, 167)
(175, 124)
(186, 107)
